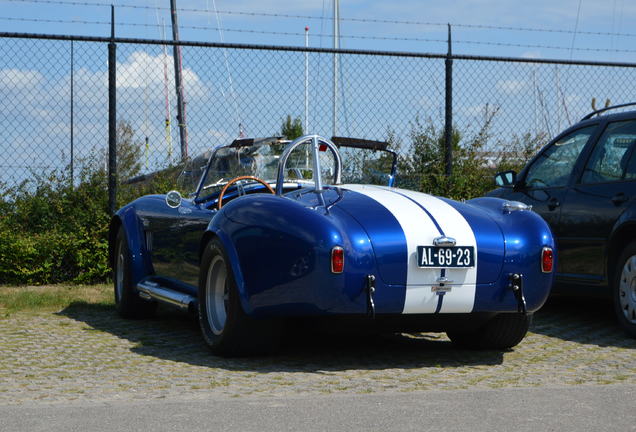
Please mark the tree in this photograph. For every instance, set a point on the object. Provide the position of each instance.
(292, 129)
(422, 166)
(129, 151)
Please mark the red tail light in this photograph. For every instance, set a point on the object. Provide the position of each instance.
(337, 259)
(547, 260)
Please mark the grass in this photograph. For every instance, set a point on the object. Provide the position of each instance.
(51, 297)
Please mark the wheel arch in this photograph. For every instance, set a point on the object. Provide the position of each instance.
(113, 230)
(127, 220)
(207, 236)
(621, 237)
(232, 255)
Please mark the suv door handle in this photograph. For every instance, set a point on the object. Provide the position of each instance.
(619, 198)
(553, 203)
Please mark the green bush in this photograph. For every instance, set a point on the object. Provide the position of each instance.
(476, 158)
(54, 231)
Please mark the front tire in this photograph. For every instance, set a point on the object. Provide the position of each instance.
(624, 289)
(127, 301)
(503, 331)
(226, 328)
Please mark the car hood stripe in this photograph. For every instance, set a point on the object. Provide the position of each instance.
(423, 217)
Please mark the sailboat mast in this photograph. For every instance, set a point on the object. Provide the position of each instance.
(306, 81)
(336, 45)
(166, 93)
(178, 79)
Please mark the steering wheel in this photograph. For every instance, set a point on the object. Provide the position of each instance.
(234, 180)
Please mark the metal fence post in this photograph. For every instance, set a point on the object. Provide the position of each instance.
(72, 131)
(448, 121)
(112, 116)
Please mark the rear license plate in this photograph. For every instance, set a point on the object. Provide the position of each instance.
(452, 256)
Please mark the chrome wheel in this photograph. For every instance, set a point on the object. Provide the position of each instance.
(119, 273)
(627, 290)
(216, 295)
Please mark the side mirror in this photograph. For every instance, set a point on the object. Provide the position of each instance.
(173, 199)
(506, 178)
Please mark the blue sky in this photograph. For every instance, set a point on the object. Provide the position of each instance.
(611, 17)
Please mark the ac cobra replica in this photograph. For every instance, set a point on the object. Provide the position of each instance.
(272, 233)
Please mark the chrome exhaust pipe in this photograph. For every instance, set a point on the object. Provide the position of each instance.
(151, 290)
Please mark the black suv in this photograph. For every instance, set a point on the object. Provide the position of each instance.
(583, 183)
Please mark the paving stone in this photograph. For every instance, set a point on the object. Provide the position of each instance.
(90, 353)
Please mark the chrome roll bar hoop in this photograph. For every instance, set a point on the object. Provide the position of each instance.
(316, 140)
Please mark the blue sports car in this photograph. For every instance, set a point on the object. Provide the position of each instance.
(275, 231)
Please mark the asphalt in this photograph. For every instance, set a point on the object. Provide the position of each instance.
(573, 408)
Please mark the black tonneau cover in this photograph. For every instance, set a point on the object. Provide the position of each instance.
(359, 143)
(247, 142)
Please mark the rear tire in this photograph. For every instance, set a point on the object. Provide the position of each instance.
(624, 289)
(226, 328)
(127, 300)
(503, 331)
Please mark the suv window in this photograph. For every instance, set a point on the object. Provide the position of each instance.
(630, 172)
(554, 166)
(612, 153)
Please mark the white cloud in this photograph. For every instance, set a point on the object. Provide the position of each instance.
(142, 70)
(17, 79)
(573, 100)
(474, 110)
(139, 72)
(531, 54)
(218, 134)
(511, 86)
(479, 110)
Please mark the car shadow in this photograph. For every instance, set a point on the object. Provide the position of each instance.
(584, 320)
(176, 336)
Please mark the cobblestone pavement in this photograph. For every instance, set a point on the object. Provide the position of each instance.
(89, 353)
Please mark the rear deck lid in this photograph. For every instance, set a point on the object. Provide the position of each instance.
(399, 222)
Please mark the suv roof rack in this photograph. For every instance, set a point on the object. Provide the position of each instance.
(593, 113)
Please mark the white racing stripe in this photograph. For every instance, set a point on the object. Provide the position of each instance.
(420, 230)
(462, 296)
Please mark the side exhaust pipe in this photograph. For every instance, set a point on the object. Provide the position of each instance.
(154, 291)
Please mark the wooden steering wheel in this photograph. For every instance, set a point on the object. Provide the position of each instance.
(234, 180)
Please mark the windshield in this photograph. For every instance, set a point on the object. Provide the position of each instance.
(260, 157)
(258, 160)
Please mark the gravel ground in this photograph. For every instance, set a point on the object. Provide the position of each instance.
(88, 353)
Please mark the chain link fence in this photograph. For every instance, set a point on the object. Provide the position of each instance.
(54, 101)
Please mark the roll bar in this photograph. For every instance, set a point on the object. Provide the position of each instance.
(370, 145)
(316, 140)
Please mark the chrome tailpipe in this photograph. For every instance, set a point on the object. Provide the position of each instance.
(153, 291)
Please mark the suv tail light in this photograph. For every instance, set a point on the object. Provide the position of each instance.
(337, 259)
(547, 260)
